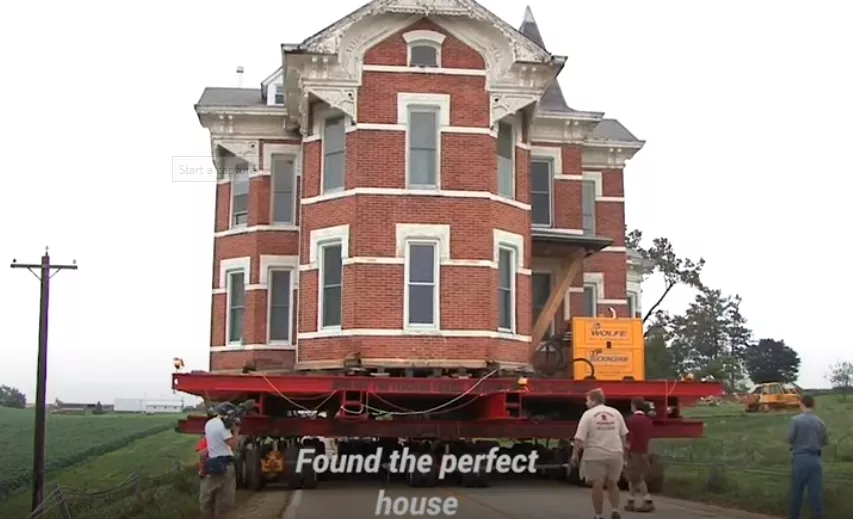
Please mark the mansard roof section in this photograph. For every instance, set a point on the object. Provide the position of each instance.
(230, 97)
(611, 131)
(332, 39)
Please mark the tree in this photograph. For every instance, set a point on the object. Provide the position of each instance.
(841, 377)
(11, 397)
(659, 363)
(664, 261)
(711, 338)
(772, 361)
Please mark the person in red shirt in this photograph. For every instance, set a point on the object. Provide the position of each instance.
(201, 450)
(637, 456)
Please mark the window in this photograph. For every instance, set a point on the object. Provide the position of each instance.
(236, 306)
(422, 284)
(423, 147)
(282, 189)
(506, 165)
(632, 305)
(279, 95)
(541, 286)
(590, 300)
(506, 290)
(423, 54)
(331, 281)
(280, 295)
(588, 206)
(540, 192)
(334, 154)
(240, 197)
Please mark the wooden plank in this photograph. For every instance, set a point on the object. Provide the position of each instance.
(569, 270)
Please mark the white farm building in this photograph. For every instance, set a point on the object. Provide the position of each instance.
(142, 405)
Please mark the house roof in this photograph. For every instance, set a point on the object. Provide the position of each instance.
(552, 101)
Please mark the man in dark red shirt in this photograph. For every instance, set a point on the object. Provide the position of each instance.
(637, 456)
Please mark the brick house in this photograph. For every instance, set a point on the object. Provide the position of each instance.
(411, 187)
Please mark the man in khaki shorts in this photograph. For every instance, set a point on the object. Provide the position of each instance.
(601, 435)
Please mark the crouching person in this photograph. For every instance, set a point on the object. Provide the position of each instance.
(637, 462)
(219, 484)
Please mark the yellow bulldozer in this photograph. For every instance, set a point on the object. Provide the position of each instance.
(773, 396)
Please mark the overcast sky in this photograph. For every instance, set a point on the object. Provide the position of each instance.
(745, 107)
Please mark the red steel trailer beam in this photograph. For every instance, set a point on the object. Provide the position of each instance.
(440, 429)
(210, 385)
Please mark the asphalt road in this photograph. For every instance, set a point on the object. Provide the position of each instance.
(541, 500)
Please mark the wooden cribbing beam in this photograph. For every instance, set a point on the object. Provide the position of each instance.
(569, 270)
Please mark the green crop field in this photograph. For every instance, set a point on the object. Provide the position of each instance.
(744, 459)
(148, 457)
(70, 440)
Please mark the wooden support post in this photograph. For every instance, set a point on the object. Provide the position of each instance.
(569, 270)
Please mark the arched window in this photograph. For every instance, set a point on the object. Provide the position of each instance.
(424, 48)
(423, 54)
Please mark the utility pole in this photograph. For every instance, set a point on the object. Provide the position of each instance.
(43, 271)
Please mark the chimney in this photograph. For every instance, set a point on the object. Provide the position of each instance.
(240, 71)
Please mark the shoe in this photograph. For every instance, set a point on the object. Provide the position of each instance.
(630, 507)
(647, 506)
(615, 515)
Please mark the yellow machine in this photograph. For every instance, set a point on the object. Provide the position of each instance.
(773, 396)
(614, 346)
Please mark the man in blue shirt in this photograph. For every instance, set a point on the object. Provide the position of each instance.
(219, 486)
(808, 437)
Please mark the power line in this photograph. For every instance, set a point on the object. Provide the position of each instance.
(44, 271)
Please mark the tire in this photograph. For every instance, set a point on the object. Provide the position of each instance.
(239, 470)
(255, 479)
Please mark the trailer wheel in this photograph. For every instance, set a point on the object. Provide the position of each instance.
(292, 477)
(255, 480)
(655, 478)
(239, 467)
(309, 477)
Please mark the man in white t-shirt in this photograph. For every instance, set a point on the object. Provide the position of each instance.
(219, 486)
(602, 435)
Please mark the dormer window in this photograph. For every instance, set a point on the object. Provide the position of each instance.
(279, 95)
(424, 48)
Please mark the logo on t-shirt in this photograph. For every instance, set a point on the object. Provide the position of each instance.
(604, 421)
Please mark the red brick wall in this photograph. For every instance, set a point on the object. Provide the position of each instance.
(373, 293)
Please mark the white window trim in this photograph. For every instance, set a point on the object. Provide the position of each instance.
(230, 164)
(507, 239)
(271, 88)
(423, 43)
(594, 176)
(424, 232)
(440, 102)
(321, 285)
(424, 108)
(319, 239)
(552, 168)
(424, 37)
(636, 298)
(321, 116)
(291, 150)
(269, 264)
(513, 316)
(228, 275)
(436, 243)
(226, 265)
(595, 279)
(516, 140)
(552, 276)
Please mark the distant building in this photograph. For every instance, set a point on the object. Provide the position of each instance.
(142, 405)
(153, 407)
